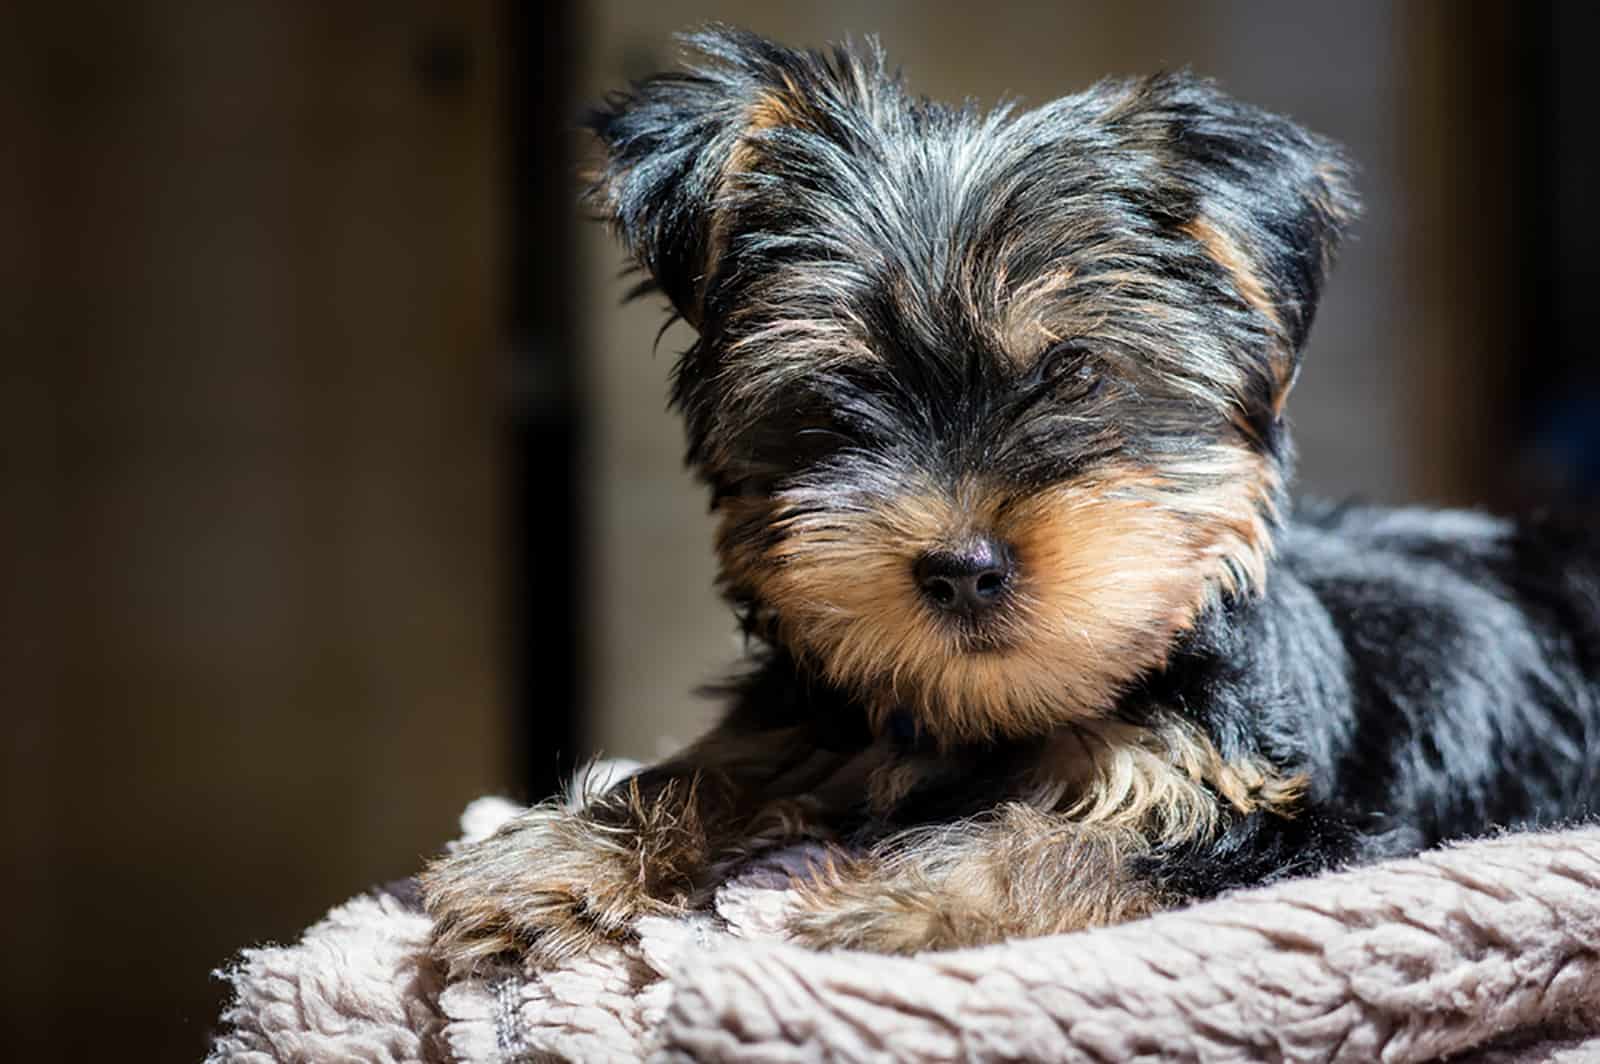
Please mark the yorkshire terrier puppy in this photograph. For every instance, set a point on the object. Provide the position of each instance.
(991, 408)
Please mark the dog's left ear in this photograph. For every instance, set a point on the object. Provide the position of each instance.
(676, 146)
(1270, 203)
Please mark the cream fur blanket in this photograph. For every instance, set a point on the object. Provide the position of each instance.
(1490, 950)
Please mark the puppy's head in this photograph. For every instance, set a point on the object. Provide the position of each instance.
(990, 404)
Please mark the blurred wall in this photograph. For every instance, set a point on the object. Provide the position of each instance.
(1391, 403)
(251, 533)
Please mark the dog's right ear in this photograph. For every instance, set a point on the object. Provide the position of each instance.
(674, 146)
(666, 144)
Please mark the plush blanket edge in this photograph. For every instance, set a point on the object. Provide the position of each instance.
(1487, 951)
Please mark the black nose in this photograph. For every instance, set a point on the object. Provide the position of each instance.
(971, 580)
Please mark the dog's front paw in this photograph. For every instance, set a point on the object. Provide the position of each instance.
(858, 905)
(550, 884)
(1017, 873)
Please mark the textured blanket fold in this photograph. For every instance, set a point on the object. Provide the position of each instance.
(1489, 950)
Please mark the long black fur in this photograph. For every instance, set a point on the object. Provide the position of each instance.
(1436, 674)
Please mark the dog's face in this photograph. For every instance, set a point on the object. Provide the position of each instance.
(990, 405)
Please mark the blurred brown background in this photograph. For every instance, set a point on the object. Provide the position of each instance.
(337, 489)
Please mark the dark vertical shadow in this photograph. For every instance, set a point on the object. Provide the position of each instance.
(548, 559)
(1557, 360)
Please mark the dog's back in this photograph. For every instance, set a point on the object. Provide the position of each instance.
(1472, 647)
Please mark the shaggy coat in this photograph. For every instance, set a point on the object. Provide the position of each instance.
(991, 410)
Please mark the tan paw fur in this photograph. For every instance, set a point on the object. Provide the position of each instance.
(1018, 873)
(552, 883)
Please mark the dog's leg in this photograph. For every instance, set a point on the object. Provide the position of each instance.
(554, 881)
(1016, 873)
